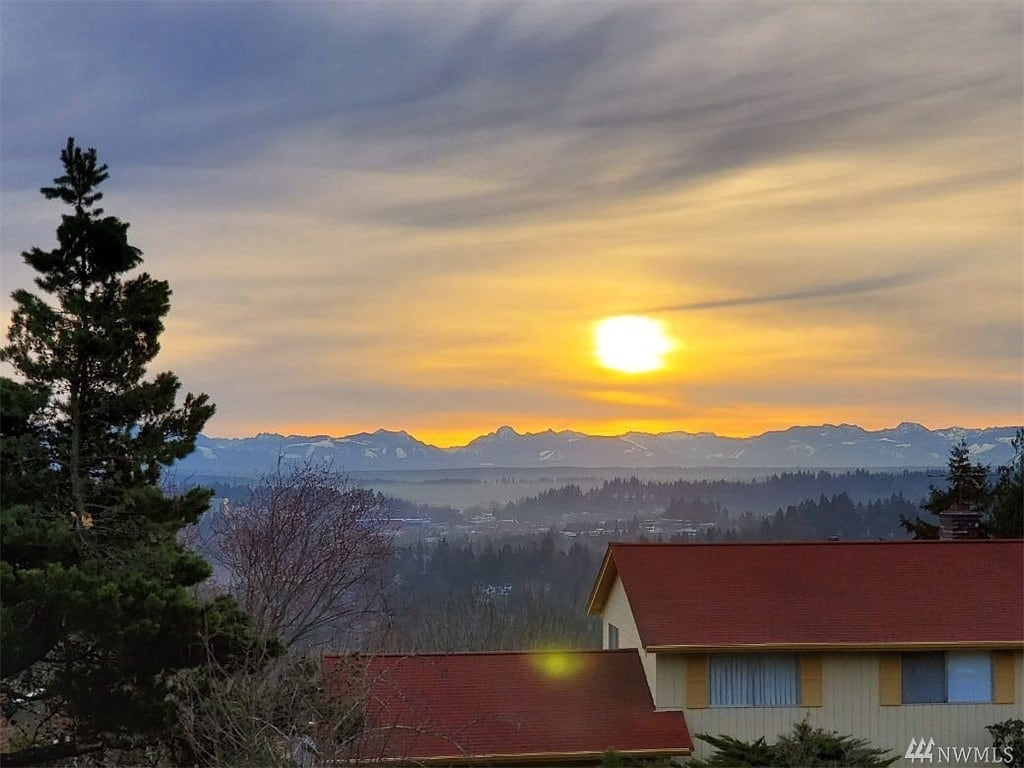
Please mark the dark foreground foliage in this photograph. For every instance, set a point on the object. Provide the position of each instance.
(1008, 739)
(805, 746)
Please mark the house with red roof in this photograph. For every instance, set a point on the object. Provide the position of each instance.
(512, 708)
(889, 641)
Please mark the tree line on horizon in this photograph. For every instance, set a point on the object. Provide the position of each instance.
(711, 500)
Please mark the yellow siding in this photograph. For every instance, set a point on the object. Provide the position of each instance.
(670, 669)
(890, 679)
(851, 704)
(697, 681)
(1003, 683)
(618, 612)
(810, 679)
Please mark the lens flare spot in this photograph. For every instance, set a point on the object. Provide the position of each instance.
(558, 664)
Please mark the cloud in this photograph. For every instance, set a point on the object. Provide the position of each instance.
(369, 210)
(827, 291)
(698, 87)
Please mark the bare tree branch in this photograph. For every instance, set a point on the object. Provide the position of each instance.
(304, 557)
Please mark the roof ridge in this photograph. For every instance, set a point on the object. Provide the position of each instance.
(817, 543)
(523, 652)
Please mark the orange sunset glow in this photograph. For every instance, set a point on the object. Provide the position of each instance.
(810, 211)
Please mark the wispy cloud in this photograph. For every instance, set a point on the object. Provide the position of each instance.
(827, 291)
(367, 210)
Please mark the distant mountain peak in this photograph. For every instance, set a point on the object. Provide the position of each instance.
(806, 447)
(911, 426)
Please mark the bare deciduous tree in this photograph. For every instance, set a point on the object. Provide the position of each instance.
(304, 557)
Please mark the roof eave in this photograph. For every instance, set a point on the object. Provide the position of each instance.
(539, 758)
(602, 584)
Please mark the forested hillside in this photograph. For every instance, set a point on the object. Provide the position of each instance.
(458, 596)
(711, 499)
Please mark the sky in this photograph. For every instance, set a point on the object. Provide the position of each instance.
(411, 215)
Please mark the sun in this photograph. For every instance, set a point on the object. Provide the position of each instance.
(631, 343)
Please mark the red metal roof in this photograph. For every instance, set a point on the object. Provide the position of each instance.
(828, 593)
(540, 705)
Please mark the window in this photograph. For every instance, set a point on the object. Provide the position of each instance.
(924, 678)
(934, 678)
(613, 637)
(754, 680)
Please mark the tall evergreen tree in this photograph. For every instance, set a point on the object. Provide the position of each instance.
(96, 609)
(1006, 518)
(967, 484)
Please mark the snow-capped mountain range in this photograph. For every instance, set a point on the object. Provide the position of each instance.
(828, 446)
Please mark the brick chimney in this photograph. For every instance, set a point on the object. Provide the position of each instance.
(960, 522)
